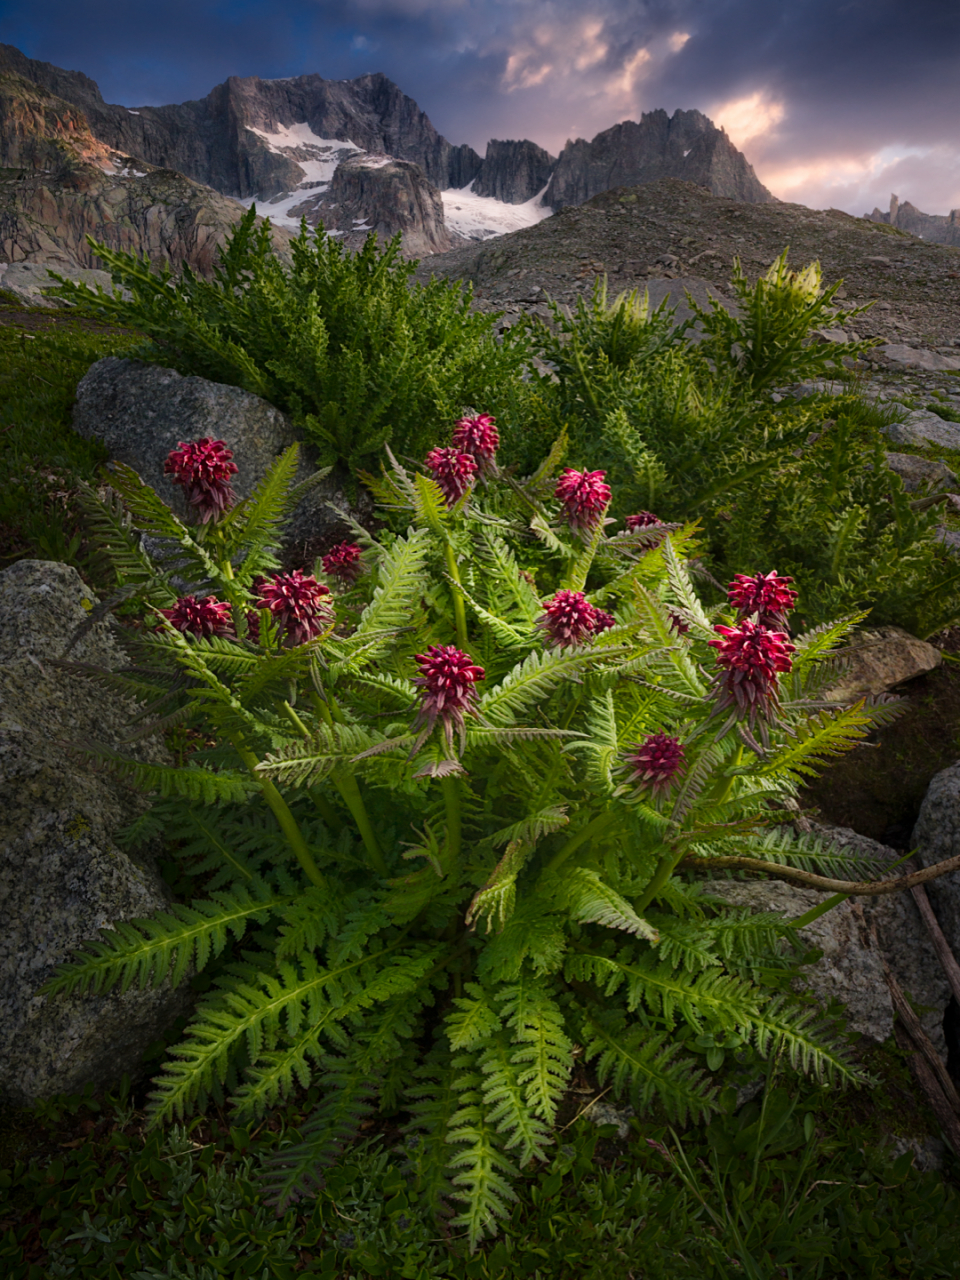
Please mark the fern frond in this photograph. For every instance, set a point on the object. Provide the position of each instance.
(505, 1104)
(307, 921)
(543, 1050)
(642, 1063)
(192, 782)
(800, 1034)
(814, 743)
(584, 894)
(297, 1171)
(305, 762)
(153, 517)
(434, 1100)
(472, 1020)
(399, 582)
(532, 828)
(531, 681)
(482, 1173)
(167, 943)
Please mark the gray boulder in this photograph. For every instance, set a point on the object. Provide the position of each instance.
(853, 937)
(936, 837)
(915, 471)
(922, 427)
(27, 280)
(142, 411)
(879, 660)
(62, 878)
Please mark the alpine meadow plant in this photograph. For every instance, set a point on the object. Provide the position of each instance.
(449, 811)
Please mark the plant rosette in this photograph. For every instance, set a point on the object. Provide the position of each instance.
(451, 822)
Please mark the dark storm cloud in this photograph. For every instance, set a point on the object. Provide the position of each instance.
(833, 103)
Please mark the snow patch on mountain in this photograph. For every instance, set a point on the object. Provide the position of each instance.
(483, 217)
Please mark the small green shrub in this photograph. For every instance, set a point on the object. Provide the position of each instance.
(341, 341)
(686, 430)
(442, 891)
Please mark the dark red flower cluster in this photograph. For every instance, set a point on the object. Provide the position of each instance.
(204, 617)
(751, 657)
(642, 520)
(569, 618)
(343, 561)
(446, 681)
(453, 472)
(299, 603)
(479, 438)
(679, 625)
(764, 594)
(204, 469)
(657, 762)
(584, 496)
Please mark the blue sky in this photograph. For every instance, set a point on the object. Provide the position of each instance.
(835, 102)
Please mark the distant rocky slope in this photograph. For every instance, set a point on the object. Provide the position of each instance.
(58, 182)
(938, 228)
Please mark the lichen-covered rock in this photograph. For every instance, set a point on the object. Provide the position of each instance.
(142, 411)
(936, 837)
(851, 968)
(62, 878)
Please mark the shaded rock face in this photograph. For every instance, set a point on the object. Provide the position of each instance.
(685, 145)
(384, 195)
(936, 837)
(46, 217)
(141, 411)
(513, 171)
(62, 878)
(214, 140)
(938, 228)
(855, 937)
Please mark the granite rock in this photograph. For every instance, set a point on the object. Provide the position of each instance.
(513, 171)
(62, 877)
(900, 354)
(921, 427)
(936, 837)
(880, 659)
(855, 937)
(141, 411)
(916, 472)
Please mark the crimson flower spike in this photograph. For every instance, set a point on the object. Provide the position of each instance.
(583, 496)
(569, 618)
(479, 438)
(204, 617)
(766, 595)
(453, 472)
(299, 603)
(343, 562)
(446, 683)
(657, 762)
(204, 469)
(750, 658)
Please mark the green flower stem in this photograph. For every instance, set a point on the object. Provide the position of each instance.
(665, 869)
(594, 827)
(724, 795)
(281, 811)
(348, 787)
(451, 801)
(459, 608)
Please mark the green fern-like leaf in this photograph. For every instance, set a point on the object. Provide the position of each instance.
(149, 950)
(582, 891)
(543, 1052)
(482, 1173)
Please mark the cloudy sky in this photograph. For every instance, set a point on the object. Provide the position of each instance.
(835, 102)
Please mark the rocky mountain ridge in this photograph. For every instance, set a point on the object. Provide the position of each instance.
(280, 143)
(938, 228)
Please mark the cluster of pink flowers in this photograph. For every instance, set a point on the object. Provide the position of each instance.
(201, 616)
(446, 682)
(642, 520)
(204, 468)
(570, 619)
(299, 603)
(343, 562)
(767, 595)
(750, 657)
(657, 762)
(479, 438)
(584, 496)
(453, 471)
